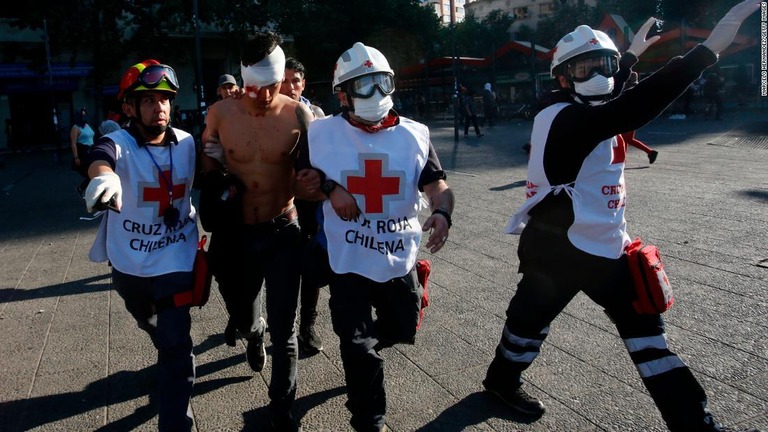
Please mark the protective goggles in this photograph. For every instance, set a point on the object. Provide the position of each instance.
(583, 69)
(364, 86)
(153, 75)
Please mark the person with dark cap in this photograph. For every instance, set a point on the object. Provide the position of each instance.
(573, 234)
(145, 172)
(227, 86)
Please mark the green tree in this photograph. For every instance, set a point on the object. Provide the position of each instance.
(566, 17)
(402, 30)
(479, 38)
(321, 29)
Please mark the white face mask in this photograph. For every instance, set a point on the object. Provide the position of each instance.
(373, 108)
(598, 85)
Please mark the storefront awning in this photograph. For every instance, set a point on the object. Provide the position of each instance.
(58, 70)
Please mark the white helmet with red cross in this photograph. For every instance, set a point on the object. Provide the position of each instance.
(583, 40)
(358, 61)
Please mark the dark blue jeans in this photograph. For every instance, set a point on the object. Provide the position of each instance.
(397, 304)
(272, 257)
(175, 361)
(229, 264)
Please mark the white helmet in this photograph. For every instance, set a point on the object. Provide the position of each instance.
(358, 61)
(580, 41)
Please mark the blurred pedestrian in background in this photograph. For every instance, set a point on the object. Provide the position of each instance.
(81, 140)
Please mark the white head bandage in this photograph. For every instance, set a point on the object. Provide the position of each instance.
(269, 70)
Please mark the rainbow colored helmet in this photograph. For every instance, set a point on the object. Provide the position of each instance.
(148, 75)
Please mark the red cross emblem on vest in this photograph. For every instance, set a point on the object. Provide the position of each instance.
(375, 183)
(158, 192)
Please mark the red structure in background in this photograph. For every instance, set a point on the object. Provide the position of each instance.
(518, 74)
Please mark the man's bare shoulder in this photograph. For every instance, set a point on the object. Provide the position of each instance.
(225, 106)
(287, 108)
(286, 103)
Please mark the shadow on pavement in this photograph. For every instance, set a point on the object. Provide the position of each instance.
(513, 185)
(759, 194)
(81, 286)
(256, 419)
(123, 386)
(474, 409)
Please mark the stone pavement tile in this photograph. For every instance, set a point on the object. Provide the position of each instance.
(713, 306)
(619, 408)
(443, 348)
(15, 255)
(467, 320)
(24, 326)
(58, 404)
(413, 397)
(476, 409)
(734, 407)
(602, 349)
(723, 263)
(717, 359)
(708, 232)
(743, 292)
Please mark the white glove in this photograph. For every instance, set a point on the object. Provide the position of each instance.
(104, 186)
(214, 150)
(639, 43)
(725, 30)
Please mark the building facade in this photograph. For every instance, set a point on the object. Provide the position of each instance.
(442, 9)
(526, 12)
(41, 91)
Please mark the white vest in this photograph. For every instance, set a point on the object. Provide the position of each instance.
(598, 194)
(381, 170)
(137, 241)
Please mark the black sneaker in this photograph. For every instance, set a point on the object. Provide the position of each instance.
(282, 421)
(652, 156)
(518, 399)
(255, 352)
(309, 342)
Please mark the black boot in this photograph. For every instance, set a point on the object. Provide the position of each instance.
(309, 341)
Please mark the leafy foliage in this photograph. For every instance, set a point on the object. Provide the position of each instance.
(478, 38)
(566, 17)
(321, 30)
(401, 29)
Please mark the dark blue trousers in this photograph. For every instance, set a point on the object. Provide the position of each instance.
(397, 303)
(170, 335)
